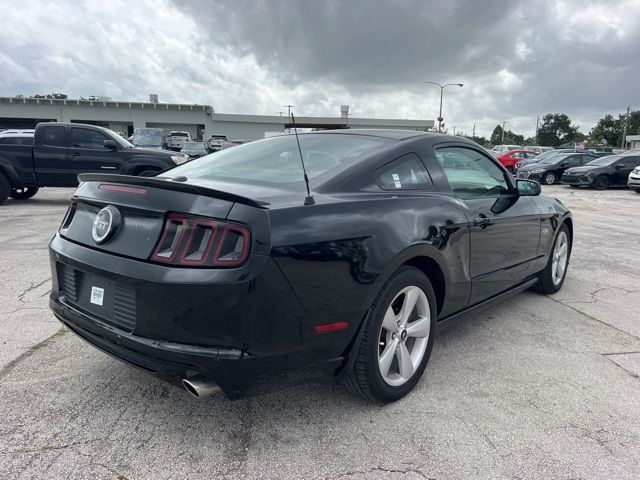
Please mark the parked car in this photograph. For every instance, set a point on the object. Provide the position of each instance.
(543, 156)
(500, 149)
(550, 170)
(602, 173)
(195, 149)
(235, 266)
(16, 137)
(218, 142)
(633, 182)
(175, 140)
(538, 150)
(60, 151)
(509, 159)
(149, 138)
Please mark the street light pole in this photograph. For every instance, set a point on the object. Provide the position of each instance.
(454, 130)
(440, 118)
(503, 124)
(288, 107)
(537, 123)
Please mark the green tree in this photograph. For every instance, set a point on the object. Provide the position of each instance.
(496, 136)
(509, 137)
(556, 129)
(611, 129)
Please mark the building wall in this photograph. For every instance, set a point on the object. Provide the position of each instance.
(199, 120)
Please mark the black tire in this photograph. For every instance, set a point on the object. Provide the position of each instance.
(23, 193)
(549, 178)
(5, 188)
(545, 282)
(602, 182)
(637, 190)
(574, 186)
(365, 378)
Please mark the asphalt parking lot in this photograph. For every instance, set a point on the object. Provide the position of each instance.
(537, 387)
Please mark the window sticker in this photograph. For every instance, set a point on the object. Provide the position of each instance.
(396, 180)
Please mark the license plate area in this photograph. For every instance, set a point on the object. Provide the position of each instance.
(99, 296)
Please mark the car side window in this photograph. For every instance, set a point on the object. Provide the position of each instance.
(575, 160)
(404, 173)
(53, 136)
(471, 174)
(85, 138)
(7, 140)
(629, 162)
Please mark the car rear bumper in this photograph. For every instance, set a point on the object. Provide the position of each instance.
(229, 325)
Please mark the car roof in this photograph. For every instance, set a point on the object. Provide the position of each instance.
(380, 132)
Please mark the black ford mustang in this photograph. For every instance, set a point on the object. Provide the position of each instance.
(225, 268)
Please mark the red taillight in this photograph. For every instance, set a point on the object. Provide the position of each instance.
(195, 241)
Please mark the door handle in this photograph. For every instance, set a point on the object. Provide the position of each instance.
(482, 221)
(76, 154)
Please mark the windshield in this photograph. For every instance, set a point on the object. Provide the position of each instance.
(557, 158)
(608, 160)
(547, 154)
(193, 146)
(276, 161)
(121, 141)
(147, 140)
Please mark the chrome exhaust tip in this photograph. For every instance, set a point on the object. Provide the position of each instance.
(200, 386)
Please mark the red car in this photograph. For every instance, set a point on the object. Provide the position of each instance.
(509, 159)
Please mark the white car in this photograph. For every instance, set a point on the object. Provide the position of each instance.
(218, 142)
(16, 137)
(633, 182)
(500, 149)
(177, 139)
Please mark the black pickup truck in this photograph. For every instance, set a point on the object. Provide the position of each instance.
(61, 151)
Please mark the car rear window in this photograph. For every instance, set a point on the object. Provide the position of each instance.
(276, 160)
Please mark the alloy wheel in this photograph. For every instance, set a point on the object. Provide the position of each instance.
(404, 335)
(560, 258)
(549, 179)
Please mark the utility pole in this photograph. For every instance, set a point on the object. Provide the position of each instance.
(288, 107)
(624, 132)
(454, 129)
(474, 130)
(537, 123)
(503, 124)
(280, 113)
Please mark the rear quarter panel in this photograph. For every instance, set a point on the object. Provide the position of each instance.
(337, 256)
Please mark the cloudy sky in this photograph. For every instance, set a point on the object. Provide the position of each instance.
(516, 59)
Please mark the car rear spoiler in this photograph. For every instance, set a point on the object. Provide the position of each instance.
(168, 184)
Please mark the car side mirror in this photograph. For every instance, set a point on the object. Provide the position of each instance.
(110, 144)
(528, 188)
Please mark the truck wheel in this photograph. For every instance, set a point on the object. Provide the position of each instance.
(5, 188)
(23, 193)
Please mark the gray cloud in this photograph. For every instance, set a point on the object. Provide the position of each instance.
(516, 59)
